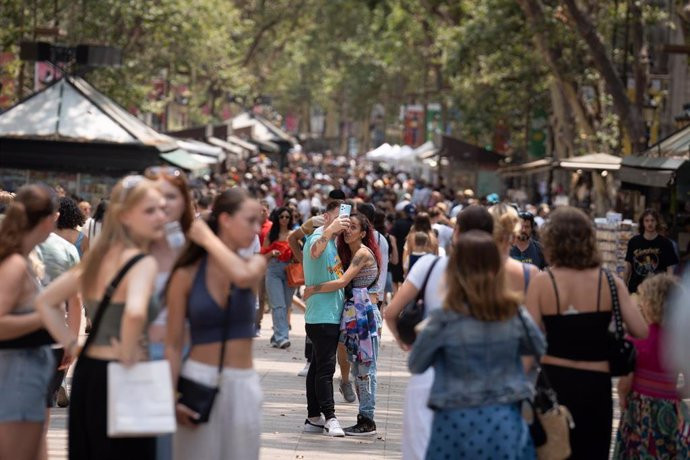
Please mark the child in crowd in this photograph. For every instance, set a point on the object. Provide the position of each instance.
(651, 421)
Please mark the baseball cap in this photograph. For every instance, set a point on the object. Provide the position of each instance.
(336, 194)
(410, 209)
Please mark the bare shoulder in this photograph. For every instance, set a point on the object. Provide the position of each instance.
(362, 256)
(13, 262)
(13, 268)
(183, 276)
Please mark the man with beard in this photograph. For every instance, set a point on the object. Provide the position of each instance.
(526, 248)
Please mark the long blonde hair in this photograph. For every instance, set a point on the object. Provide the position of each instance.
(126, 194)
(476, 280)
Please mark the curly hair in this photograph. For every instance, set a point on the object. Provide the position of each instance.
(653, 293)
(70, 214)
(569, 240)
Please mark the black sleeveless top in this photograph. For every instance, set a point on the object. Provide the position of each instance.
(579, 336)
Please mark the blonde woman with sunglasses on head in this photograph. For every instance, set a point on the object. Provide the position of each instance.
(135, 218)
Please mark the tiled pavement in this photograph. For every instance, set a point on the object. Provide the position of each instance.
(284, 407)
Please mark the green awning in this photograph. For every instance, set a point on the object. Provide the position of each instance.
(183, 159)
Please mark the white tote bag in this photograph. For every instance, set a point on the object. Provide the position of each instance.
(140, 400)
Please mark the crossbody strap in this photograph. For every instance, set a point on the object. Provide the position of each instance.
(555, 290)
(420, 294)
(226, 327)
(107, 295)
(615, 306)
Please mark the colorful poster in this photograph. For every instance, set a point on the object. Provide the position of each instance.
(501, 141)
(537, 134)
(434, 125)
(412, 125)
(45, 73)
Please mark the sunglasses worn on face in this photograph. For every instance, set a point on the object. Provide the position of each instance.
(283, 217)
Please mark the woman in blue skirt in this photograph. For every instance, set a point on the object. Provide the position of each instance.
(475, 344)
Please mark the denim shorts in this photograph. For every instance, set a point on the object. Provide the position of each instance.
(24, 377)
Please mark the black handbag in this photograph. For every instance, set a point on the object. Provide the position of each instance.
(622, 353)
(413, 313)
(200, 397)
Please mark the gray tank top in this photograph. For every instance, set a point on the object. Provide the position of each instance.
(112, 319)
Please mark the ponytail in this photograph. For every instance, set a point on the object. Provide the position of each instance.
(31, 205)
(14, 227)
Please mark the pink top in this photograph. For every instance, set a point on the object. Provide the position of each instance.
(650, 377)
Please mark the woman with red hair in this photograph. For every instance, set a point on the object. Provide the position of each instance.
(361, 320)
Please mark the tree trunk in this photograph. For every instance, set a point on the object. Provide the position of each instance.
(535, 17)
(562, 128)
(630, 116)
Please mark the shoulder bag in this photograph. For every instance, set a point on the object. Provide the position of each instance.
(551, 422)
(140, 397)
(414, 312)
(622, 353)
(200, 397)
(295, 274)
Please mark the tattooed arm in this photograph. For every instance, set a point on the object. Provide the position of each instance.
(337, 226)
(362, 258)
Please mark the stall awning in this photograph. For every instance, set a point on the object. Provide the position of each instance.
(650, 172)
(183, 159)
(593, 161)
(533, 167)
(235, 149)
(677, 143)
(647, 177)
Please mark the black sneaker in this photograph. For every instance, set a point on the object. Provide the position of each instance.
(365, 427)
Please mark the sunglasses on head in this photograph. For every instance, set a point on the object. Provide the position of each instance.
(526, 215)
(154, 172)
(129, 182)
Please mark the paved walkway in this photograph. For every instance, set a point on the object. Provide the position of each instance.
(285, 405)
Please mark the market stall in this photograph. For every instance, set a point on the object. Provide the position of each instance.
(71, 135)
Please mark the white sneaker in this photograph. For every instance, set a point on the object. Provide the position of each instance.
(305, 371)
(332, 428)
(314, 424)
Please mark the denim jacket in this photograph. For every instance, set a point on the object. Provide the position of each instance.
(476, 363)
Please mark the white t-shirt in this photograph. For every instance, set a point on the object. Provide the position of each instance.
(304, 208)
(436, 286)
(417, 417)
(445, 235)
(254, 248)
(383, 269)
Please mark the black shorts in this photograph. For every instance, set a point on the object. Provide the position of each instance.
(398, 275)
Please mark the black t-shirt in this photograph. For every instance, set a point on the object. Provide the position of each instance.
(401, 228)
(648, 257)
(532, 255)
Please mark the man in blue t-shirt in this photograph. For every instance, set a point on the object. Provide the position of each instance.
(322, 321)
(526, 248)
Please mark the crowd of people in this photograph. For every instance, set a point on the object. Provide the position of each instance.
(170, 268)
